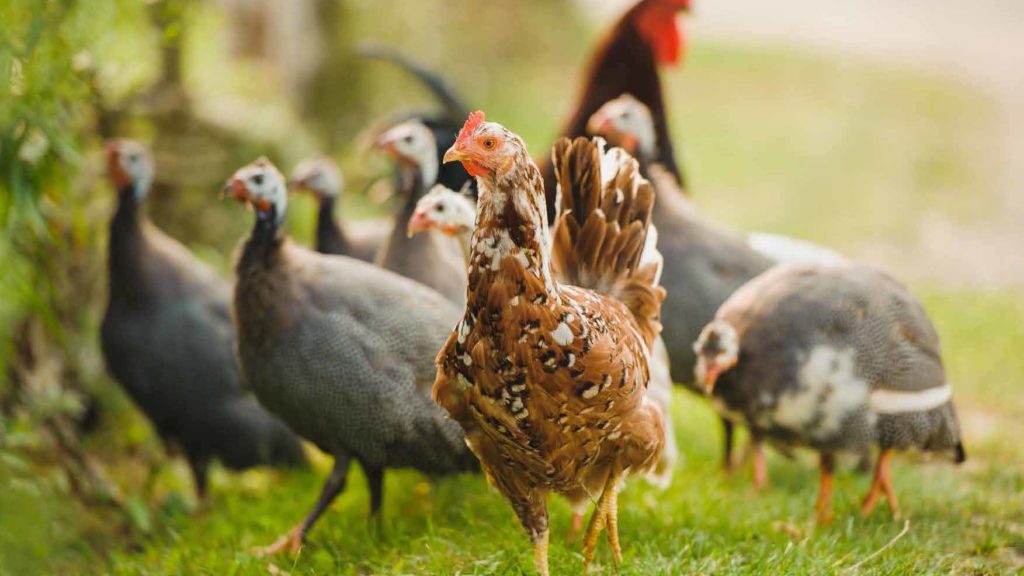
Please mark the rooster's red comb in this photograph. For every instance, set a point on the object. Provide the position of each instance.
(472, 121)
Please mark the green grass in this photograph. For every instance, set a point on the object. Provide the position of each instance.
(836, 152)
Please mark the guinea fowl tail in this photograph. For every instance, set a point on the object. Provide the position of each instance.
(449, 99)
(245, 435)
(603, 236)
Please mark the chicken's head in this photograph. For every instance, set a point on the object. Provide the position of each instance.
(413, 146)
(625, 122)
(444, 210)
(486, 149)
(129, 164)
(718, 350)
(320, 176)
(261, 186)
(655, 20)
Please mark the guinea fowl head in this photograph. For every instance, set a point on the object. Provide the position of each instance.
(444, 210)
(718, 350)
(413, 146)
(129, 164)
(487, 149)
(261, 186)
(655, 20)
(320, 176)
(625, 122)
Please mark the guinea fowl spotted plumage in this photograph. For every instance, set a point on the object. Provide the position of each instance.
(835, 358)
(436, 260)
(454, 213)
(627, 60)
(549, 380)
(168, 341)
(361, 240)
(341, 350)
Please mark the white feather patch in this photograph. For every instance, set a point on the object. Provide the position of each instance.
(829, 388)
(562, 334)
(893, 402)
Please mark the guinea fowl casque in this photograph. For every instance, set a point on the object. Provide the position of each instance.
(626, 61)
(168, 341)
(549, 380)
(361, 240)
(835, 358)
(454, 214)
(340, 350)
(436, 260)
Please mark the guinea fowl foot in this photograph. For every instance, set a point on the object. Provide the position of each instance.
(575, 528)
(540, 553)
(824, 507)
(290, 543)
(881, 484)
(760, 466)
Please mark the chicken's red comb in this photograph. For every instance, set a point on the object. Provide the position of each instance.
(472, 121)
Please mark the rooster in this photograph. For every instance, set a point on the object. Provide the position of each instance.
(627, 60)
(549, 380)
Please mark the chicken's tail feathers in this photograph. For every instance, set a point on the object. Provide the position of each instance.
(452, 102)
(603, 237)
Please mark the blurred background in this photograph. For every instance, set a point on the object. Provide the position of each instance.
(891, 131)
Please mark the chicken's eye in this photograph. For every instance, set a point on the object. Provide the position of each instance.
(488, 143)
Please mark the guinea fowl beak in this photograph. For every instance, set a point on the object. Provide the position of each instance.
(418, 222)
(711, 374)
(236, 190)
(599, 124)
(386, 144)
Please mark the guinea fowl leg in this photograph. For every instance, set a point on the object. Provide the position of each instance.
(600, 518)
(882, 483)
(728, 431)
(824, 508)
(292, 541)
(760, 464)
(199, 466)
(575, 527)
(375, 481)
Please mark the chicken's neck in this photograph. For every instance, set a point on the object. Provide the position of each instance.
(511, 222)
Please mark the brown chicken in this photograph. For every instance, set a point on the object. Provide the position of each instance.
(549, 380)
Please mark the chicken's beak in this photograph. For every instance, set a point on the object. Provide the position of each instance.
(417, 223)
(454, 154)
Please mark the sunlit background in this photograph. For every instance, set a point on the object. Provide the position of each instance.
(890, 131)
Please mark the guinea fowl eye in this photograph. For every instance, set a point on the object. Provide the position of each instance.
(258, 179)
(439, 208)
(408, 139)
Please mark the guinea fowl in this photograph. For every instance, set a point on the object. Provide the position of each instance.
(168, 341)
(834, 358)
(436, 261)
(340, 350)
(627, 60)
(362, 240)
(453, 213)
(549, 380)
(628, 123)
